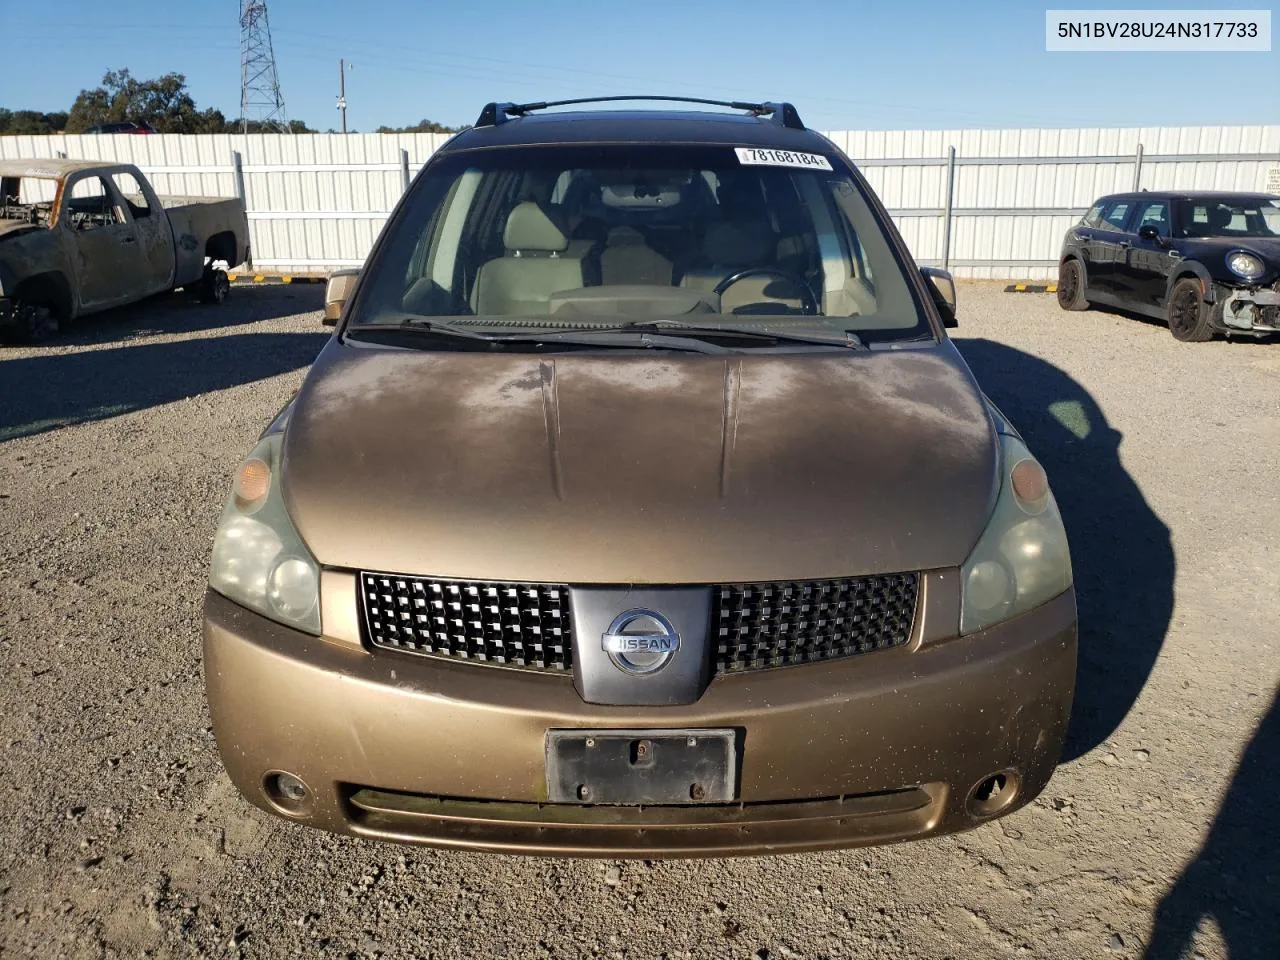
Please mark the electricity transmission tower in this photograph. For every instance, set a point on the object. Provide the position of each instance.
(260, 96)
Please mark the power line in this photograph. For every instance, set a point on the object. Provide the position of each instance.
(549, 72)
(543, 83)
(544, 76)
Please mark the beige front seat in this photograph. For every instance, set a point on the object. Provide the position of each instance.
(627, 259)
(738, 245)
(538, 263)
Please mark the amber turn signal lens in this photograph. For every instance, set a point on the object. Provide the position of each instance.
(253, 480)
(1030, 485)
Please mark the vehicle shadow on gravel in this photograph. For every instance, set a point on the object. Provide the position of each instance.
(48, 391)
(1235, 876)
(1121, 552)
(176, 313)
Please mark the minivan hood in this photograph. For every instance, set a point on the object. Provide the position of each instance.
(626, 468)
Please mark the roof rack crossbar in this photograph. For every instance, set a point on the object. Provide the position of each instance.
(783, 114)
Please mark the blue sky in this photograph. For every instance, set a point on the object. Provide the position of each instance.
(846, 65)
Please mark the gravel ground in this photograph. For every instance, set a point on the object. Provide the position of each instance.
(121, 835)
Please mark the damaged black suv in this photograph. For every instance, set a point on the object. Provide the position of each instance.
(1205, 263)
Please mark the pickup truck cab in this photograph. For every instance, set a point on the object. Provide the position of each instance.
(79, 236)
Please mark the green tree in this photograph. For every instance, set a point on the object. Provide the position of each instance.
(255, 126)
(30, 122)
(164, 103)
(422, 126)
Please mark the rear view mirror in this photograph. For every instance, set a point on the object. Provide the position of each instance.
(943, 287)
(1148, 232)
(336, 292)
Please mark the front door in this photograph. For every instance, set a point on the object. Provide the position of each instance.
(1108, 246)
(103, 241)
(1083, 236)
(1149, 260)
(155, 239)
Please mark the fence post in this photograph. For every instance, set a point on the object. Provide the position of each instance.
(237, 164)
(404, 168)
(946, 217)
(1137, 169)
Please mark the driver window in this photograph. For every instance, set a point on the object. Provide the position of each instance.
(90, 207)
(561, 189)
(133, 194)
(1155, 214)
(1116, 216)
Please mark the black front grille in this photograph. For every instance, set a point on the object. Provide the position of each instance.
(760, 625)
(754, 625)
(516, 624)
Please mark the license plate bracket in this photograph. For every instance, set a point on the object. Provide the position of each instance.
(633, 767)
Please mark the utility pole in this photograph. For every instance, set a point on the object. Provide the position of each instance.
(342, 92)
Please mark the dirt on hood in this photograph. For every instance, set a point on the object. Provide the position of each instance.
(639, 469)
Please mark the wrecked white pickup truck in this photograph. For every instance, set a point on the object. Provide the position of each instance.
(78, 236)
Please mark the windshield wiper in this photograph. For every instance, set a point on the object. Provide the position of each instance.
(616, 337)
(662, 334)
(431, 326)
(844, 338)
(612, 337)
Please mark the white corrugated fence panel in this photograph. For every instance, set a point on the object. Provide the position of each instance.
(318, 201)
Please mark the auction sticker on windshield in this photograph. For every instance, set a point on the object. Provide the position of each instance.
(760, 156)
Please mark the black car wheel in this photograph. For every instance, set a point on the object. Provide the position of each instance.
(32, 323)
(215, 286)
(1188, 313)
(1071, 286)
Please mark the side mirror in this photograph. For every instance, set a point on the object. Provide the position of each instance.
(1148, 232)
(943, 287)
(336, 291)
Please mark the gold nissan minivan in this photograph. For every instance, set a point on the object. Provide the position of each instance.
(640, 506)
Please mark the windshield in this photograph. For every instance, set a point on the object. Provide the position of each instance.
(544, 238)
(1229, 218)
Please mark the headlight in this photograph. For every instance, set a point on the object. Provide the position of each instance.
(1021, 559)
(258, 558)
(1245, 265)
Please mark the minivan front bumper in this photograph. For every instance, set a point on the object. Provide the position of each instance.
(880, 747)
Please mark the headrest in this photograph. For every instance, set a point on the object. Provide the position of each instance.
(739, 195)
(589, 228)
(529, 228)
(1220, 217)
(738, 244)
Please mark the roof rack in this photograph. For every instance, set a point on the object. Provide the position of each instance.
(783, 114)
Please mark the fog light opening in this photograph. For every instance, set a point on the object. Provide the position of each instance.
(287, 792)
(993, 794)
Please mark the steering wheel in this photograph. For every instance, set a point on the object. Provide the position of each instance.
(808, 302)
